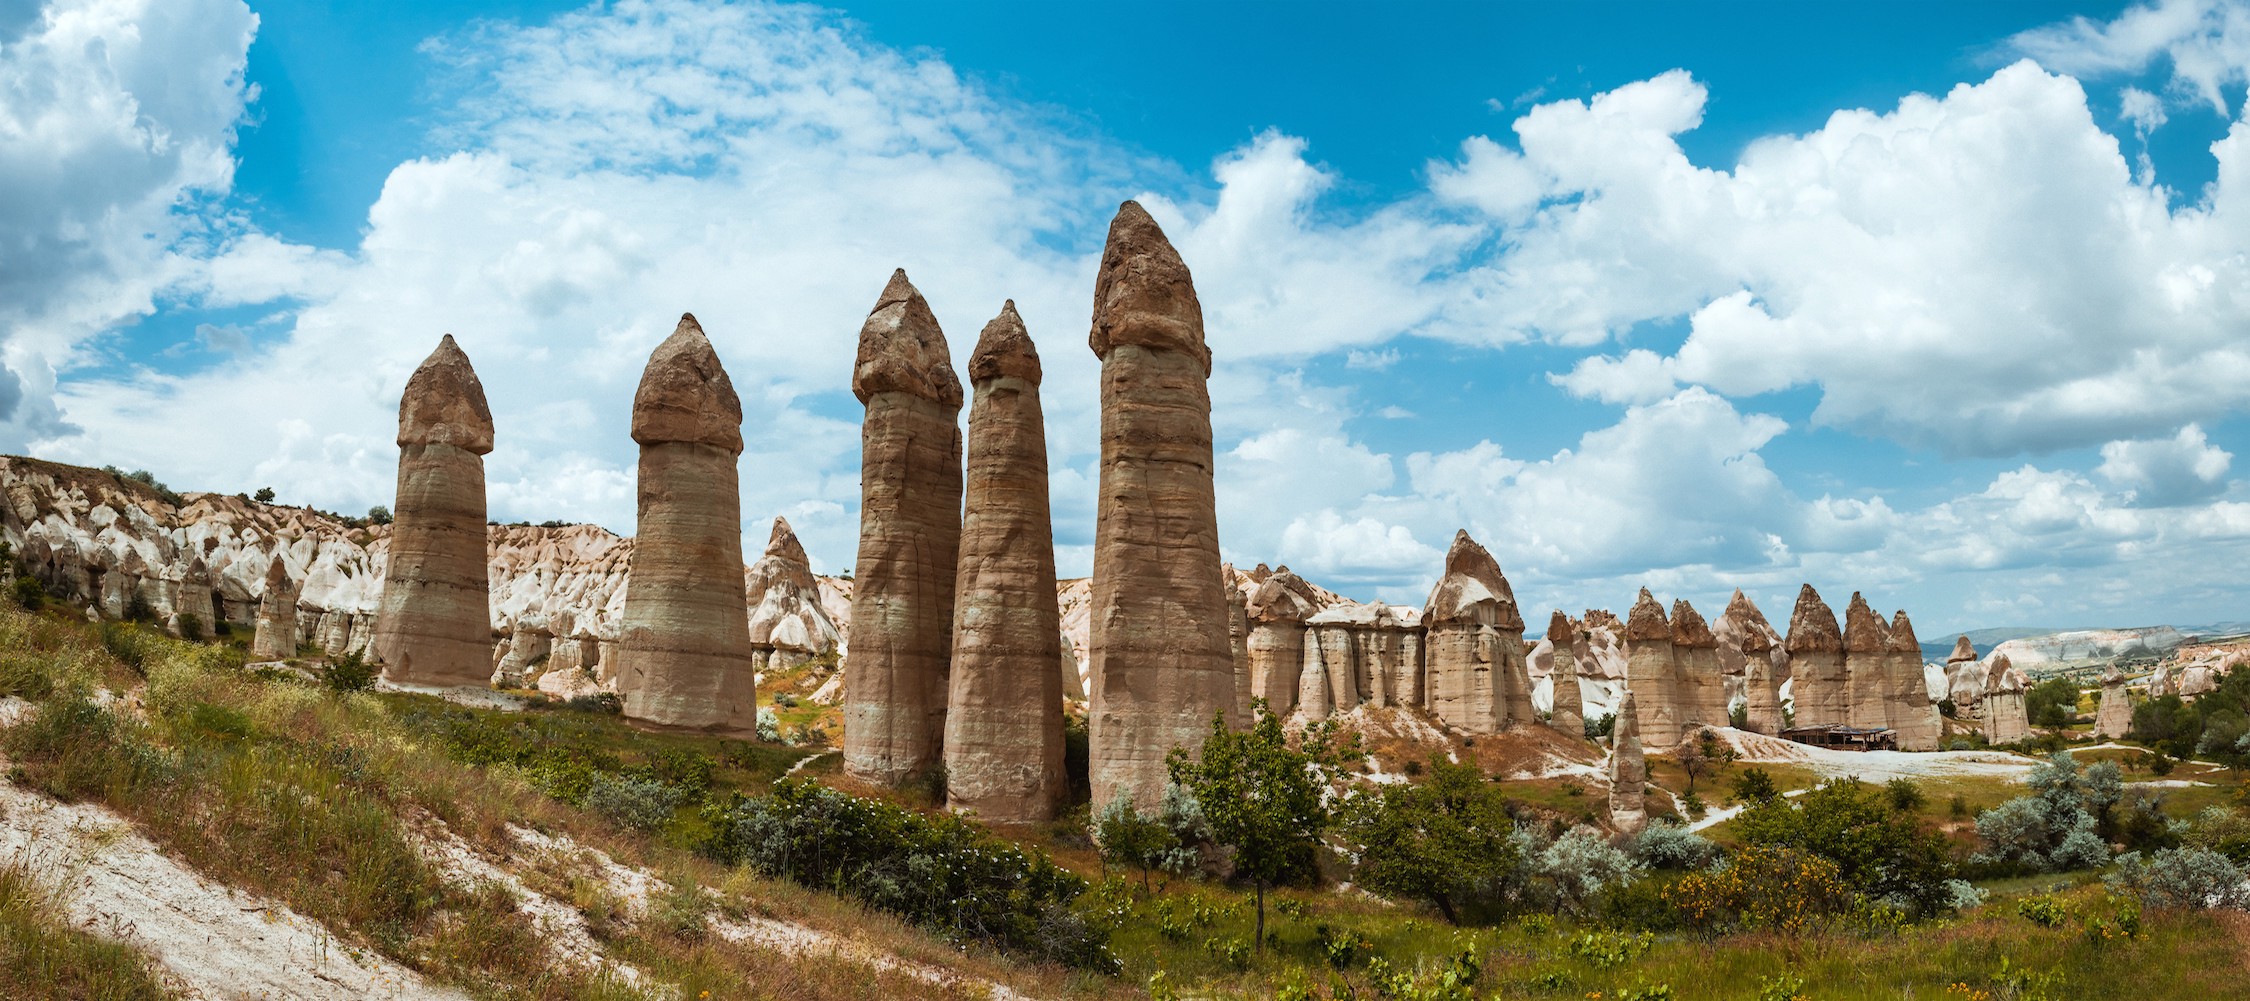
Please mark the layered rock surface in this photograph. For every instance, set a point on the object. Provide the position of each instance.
(1651, 678)
(2113, 718)
(1701, 676)
(1744, 632)
(1866, 666)
(1477, 678)
(276, 635)
(683, 650)
(1004, 721)
(1818, 683)
(1907, 687)
(2005, 718)
(1159, 660)
(1628, 771)
(434, 625)
(1568, 712)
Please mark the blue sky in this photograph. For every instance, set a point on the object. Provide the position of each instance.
(1944, 303)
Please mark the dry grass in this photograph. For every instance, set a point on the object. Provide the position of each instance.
(43, 956)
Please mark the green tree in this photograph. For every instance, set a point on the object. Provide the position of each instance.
(1881, 852)
(1445, 840)
(1755, 788)
(1264, 799)
(264, 495)
(2052, 703)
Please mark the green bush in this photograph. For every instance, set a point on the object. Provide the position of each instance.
(942, 872)
(642, 804)
(29, 593)
(1880, 852)
(2042, 910)
(349, 672)
(2052, 703)
(1445, 840)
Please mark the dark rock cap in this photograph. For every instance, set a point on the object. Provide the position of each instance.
(1144, 294)
(1689, 629)
(1745, 613)
(1466, 564)
(1646, 621)
(901, 349)
(784, 544)
(1863, 629)
(1963, 651)
(1559, 631)
(1902, 636)
(444, 403)
(1005, 349)
(1812, 626)
(685, 395)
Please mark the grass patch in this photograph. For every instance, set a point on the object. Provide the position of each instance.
(43, 956)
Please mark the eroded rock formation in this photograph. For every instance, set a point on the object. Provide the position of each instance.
(683, 650)
(1867, 664)
(2005, 719)
(1477, 680)
(1160, 663)
(1277, 611)
(1818, 683)
(2114, 717)
(787, 625)
(1650, 675)
(895, 682)
(1003, 722)
(1907, 689)
(1964, 677)
(1701, 679)
(434, 626)
(1746, 636)
(1628, 770)
(276, 636)
(1568, 711)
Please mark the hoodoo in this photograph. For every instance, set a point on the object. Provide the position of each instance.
(1161, 664)
(1628, 771)
(1964, 677)
(1913, 715)
(1003, 722)
(1277, 612)
(1651, 674)
(683, 648)
(1816, 662)
(2005, 719)
(895, 679)
(2115, 715)
(1867, 701)
(1702, 681)
(276, 635)
(787, 625)
(434, 626)
(1568, 713)
(1746, 628)
(1477, 678)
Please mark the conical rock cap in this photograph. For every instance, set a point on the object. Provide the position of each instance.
(1144, 294)
(685, 395)
(1005, 349)
(1812, 625)
(444, 403)
(902, 350)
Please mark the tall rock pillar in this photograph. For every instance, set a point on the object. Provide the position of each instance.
(1161, 659)
(1964, 679)
(1568, 712)
(1816, 662)
(1628, 771)
(1913, 715)
(276, 635)
(1277, 644)
(1867, 667)
(683, 646)
(1474, 643)
(1744, 628)
(1702, 680)
(1003, 722)
(2114, 717)
(895, 676)
(2006, 719)
(1651, 673)
(434, 626)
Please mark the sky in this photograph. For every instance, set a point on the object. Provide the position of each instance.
(1944, 303)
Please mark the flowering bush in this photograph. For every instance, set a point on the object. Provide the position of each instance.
(1766, 887)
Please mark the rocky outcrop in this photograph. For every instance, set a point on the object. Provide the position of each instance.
(1964, 677)
(1698, 672)
(1238, 647)
(1003, 721)
(1818, 683)
(1907, 689)
(683, 649)
(1867, 666)
(434, 626)
(895, 681)
(1277, 611)
(276, 636)
(1746, 637)
(788, 626)
(1651, 677)
(2113, 719)
(193, 615)
(1628, 771)
(1478, 681)
(2005, 719)
(1568, 712)
(1159, 659)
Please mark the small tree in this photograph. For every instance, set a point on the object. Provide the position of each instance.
(1694, 760)
(264, 495)
(2052, 703)
(1444, 840)
(1261, 797)
(378, 515)
(1755, 788)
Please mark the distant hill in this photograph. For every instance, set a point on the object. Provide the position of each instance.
(1982, 639)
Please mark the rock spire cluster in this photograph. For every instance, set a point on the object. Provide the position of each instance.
(1474, 641)
(1160, 660)
(1003, 721)
(434, 626)
(683, 651)
(895, 681)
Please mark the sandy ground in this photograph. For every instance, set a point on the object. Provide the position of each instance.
(1877, 766)
(213, 942)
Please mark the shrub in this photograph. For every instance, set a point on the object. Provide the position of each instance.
(1575, 869)
(349, 672)
(1755, 787)
(29, 593)
(785, 700)
(1880, 852)
(191, 627)
(605, 703)
(943, 872)
(1666, 846)
(769, 726)
(1444, 840)
(2042, 910)
(1905, 796)
(378, 515)
(2224, 830)
(2181, 878)
(643, 804)
(1773, 887)
(2052, 703)
(2052, 829)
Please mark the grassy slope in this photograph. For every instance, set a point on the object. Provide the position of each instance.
(42, 956)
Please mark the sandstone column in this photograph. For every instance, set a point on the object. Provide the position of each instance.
(1004, 722)
(1161, 659)
(1816, 662)
(1651, 673)
(1744, 629)
(1867, 667)
(1276, 643)
(1964, 679)
(1473, 640)
(276, 635)
(2005, 717)
(1628, 770)
(1313, 702)
(683, 645)
(1238, 646)
(1913, 715)
(1703, 683)
(2115, 716)
(895, 676)
(434, 626)
(194, 599)
(1569, 710)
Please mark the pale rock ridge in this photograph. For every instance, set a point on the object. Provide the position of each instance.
(276, 636)
(1568, 711)
(1866, 666)
(788, 627)
(1003, 719)
(1239, 714)
(1913, 715)
(683, 649)
(1160, 663)
(895, 681)
(2114, 717)
(1628, 771)
(1816, 662)
(1651, 673)
(1477, 679)
(434, 623)
(1277, 611)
